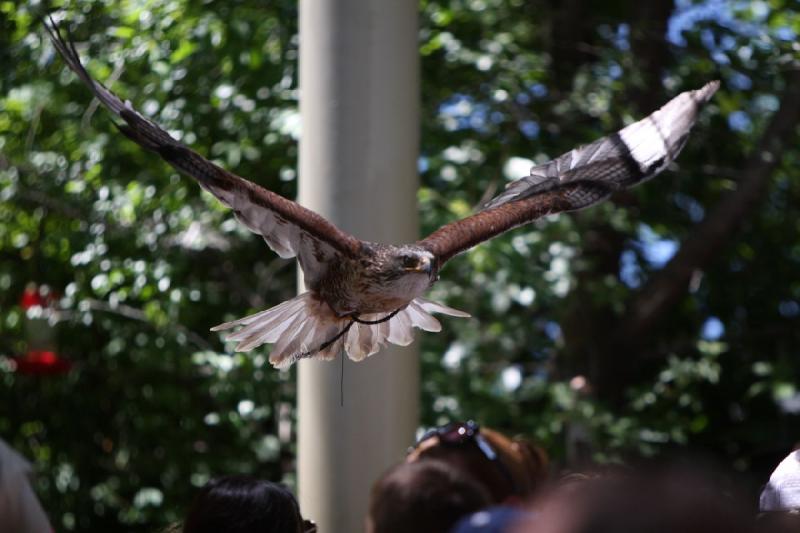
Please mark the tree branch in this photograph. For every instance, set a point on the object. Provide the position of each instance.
(134, 313)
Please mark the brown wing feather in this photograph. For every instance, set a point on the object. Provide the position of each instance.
(289, 228)
(581, 177)
(456, 237)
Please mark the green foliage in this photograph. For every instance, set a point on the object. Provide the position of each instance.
(495, 67)
(145, 263)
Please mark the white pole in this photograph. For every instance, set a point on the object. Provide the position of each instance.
(359, 103)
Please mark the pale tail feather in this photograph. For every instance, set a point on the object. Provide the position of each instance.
(435, 307)
(301, 327)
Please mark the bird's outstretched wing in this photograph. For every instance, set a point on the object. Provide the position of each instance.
(580, 178)
(287, 227)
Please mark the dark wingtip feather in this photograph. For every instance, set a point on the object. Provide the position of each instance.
(66, 49)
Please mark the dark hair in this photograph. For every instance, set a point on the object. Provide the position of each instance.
(243, 504)
(778, 522)
(517, 470)
(426, 496)
(666, 499)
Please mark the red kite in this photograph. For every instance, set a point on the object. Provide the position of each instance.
(364, 294)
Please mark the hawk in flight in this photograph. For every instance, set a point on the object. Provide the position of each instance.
(364, 294)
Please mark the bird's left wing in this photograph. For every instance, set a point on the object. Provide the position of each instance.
(287, 227)
(580, 178)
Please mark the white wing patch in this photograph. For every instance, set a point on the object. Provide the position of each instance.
(633, 155)
(284, 238)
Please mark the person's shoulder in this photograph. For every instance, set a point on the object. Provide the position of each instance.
(12, 464)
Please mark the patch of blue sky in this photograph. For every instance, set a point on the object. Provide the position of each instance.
(477, 121)
(740, 121)
(619, 36)
(655, 249)
(538, 90)
(552, 330)
(766, 103)
(720, 57)
(692, 207)
(423, 164)
(789, 308)
(623, 37)
(629, 270)
(785, 34)
(462, 112)
(708, 40)
(727, 42)
(688, 14)
(535, 90)
(457, 105)
(739, 81)
(529, 128)
(614, 71)
(713, 329)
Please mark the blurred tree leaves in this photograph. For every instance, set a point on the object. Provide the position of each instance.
(145, 263)
(549, 298)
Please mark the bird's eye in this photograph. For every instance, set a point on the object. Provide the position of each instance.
(409, 261)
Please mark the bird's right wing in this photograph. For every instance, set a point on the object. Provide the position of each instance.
(580, 178)
(288, 228)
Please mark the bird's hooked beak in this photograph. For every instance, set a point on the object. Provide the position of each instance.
(423, 266)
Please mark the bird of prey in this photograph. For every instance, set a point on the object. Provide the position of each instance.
(362, 295)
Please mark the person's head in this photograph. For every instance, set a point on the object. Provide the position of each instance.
(651, 500)
(243, 504)
(425, 496)
(778, 522)
(511, 470)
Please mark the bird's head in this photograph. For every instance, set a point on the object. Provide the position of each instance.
(410, 261)
(404, 271)
(400, 273)
(407, 271)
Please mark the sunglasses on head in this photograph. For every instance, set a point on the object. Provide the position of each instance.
(457, 434)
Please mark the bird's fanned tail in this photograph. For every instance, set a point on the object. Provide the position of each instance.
(306, 327)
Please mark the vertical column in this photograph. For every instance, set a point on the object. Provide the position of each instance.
(359, 103)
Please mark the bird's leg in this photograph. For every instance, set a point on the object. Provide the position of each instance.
(353, 319)
(328, 342)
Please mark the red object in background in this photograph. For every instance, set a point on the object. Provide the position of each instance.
(30, 297)
(41, 357)
(37, 362)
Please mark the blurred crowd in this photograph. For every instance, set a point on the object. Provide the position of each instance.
(462, 478)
